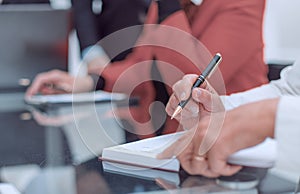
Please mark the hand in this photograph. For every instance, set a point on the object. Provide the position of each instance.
(56, 81)
(243, 127)
(97, 65)
(204, 102)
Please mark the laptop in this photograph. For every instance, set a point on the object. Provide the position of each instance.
(33, 39)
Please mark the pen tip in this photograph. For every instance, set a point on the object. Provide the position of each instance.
(176, 112)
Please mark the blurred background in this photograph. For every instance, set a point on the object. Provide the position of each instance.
(37, 38)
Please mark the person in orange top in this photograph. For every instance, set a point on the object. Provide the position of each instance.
(233, 28)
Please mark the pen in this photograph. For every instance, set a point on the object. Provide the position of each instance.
(213, 64)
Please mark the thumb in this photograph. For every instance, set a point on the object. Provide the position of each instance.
(229, 170)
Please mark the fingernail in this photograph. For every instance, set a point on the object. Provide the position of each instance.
(194, 110)
(182, 96)
(198, 92)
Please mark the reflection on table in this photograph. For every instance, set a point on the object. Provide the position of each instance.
(55, 149)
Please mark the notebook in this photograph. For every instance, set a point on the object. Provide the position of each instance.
(97, 96)
(143, 154)
(6, 188)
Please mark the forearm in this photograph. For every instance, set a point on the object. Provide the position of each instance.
(287, 134)
(84, 23)
(251, 124)
(260, 93)
(288, 84)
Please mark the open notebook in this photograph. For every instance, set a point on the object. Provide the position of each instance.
(143, 154)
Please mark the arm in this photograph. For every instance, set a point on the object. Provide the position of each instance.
(85, 23)
(287, 134)
(234, 28)
(220, 135)
(60, 82)
(288, 84)
(238, 129)
(171, 42)
(221, 27)
(142, 53)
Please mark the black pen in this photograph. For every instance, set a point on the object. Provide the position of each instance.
(213, 64)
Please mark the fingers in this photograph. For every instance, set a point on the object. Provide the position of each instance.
(210, 101)
(205, 96)
(36, 86)
(200, 166)
(172, 104)
(188, 114)
(222, 167)
(196, 166)
(202, 96)
(182, 88)
(43, 80)
(181, 145)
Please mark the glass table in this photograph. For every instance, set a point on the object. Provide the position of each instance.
(55, 149)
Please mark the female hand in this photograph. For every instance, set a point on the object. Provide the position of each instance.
(243, 127)
(204, 102)
(56, 81)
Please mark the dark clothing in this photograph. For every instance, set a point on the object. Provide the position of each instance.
(115, 15)
(24, 1)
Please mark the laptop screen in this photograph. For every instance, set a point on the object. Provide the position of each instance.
(33, 39)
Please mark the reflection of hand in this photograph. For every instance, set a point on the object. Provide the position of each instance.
(204, 102)
(198, 184)
(58, 79)
(166, 184)
(243, 127)
(54, 121)
(91, 182)
(132, 117)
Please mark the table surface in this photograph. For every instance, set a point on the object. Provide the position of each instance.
(55, 149)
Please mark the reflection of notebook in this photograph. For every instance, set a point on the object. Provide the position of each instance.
(143, 154)
(98, 96)
(33, 39)
(144, 173)
(6, 188)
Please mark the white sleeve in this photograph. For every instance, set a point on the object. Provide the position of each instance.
(287, 134)
(288, 84)
(253, 95)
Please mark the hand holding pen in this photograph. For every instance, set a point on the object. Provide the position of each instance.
(200, 80)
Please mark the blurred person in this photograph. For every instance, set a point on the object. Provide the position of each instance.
(95, 19)
(271, 110)
(225, 27)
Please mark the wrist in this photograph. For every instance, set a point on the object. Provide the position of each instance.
(270, 107)
(98, 82)
(251, 123)
(83, 84)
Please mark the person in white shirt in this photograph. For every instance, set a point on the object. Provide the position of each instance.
(244, 120)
